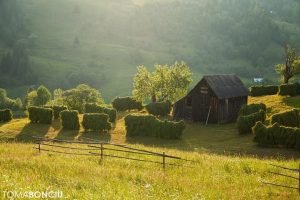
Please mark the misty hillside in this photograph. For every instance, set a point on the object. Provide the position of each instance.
(64, 43)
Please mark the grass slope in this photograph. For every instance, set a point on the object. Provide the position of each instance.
(227, 165)
(212, 176)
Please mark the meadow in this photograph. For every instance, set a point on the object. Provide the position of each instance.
(226, 165)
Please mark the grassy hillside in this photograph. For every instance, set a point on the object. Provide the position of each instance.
(102, 42)
(227, 165)
(212, 176)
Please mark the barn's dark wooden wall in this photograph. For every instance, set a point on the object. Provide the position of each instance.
(203, 100)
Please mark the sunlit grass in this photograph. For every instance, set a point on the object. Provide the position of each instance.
(227, 165)
(277, 103)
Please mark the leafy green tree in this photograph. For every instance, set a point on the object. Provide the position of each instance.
(77, 97)
(30, 99)
(6, 102)
(165, 83)
(38, 97)
(291, 67)
(43, 96)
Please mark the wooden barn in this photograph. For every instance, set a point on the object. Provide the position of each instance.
(215, 99)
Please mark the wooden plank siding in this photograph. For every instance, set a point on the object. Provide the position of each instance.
(202, 100)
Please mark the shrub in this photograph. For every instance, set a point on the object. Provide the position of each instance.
(70, 119)
(126, 103)
(148, 125)
(276, 135)
(95, 108)
(56, 110)
(289, 89)
(159, 108)
(6, 115)
(96, 122)
(263, 90)
(252, 108)
(40, 115)
(245, 123)
(289, 118)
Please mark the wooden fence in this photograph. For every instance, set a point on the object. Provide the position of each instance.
(297, 171)
(103, 149)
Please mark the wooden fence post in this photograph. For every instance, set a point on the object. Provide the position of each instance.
(39, 146)
(101, 151)
(164, 160)
(299, 180)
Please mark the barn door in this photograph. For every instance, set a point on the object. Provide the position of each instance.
(204, 106)
(201, 105)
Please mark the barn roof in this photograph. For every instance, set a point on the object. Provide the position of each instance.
(226, 86)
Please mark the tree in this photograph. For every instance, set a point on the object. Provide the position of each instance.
(38, 97)
(165, 83)
(43, 96)
(6, 102)
(291, 67)
(30, 99)
(76, 98)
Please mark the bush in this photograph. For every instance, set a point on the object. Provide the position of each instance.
(6, 115)
(245, 123)
(148, 125)
(263, 90)
(96, 122)
(276, 135)
(95, 108)
(57, 110)
(252, 108)
(289, 118)
(126, 103)
(289, 89)
(70, 119)
(159, 108)
(40, 115)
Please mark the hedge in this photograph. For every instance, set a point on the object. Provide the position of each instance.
(263, 90)
(149, 125)
(6, 115)
(289, 118)
(96, 122)
(276, 135)
(245, 123)
(159, 108)
(40, 115)
(252, 108)
(70, 119)
(56, 110)
(289, 89)
(95, 108)
(126, 103)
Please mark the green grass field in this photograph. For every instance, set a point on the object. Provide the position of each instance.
(227, 165)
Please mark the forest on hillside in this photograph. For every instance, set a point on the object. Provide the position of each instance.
(63, 44)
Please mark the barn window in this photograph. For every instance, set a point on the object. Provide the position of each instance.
(203, 90)
(188, 101)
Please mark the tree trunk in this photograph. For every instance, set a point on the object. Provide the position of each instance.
(286, 79)
(153, 98)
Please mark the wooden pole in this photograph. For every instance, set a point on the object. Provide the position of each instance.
(101, 151)
(208, 115)
(299, 180)
(39, 147)
(164, 160)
